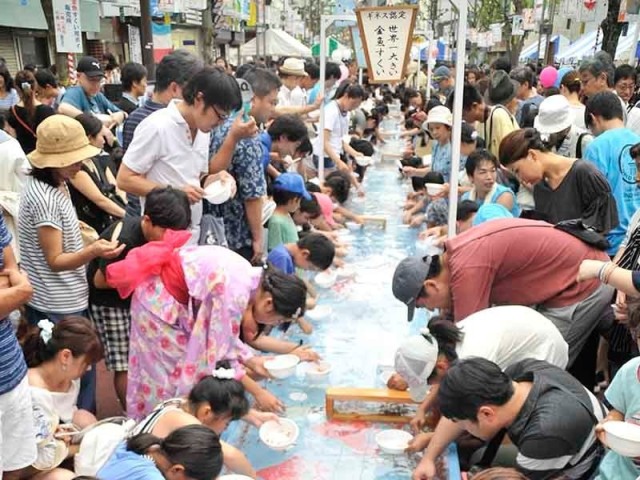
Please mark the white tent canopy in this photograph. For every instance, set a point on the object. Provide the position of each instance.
(279, 43)
(586, 46)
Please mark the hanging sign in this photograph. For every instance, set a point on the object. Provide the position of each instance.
(66, 18)
(496, 32)
(472, 35)
(386, 34)
(528, 19)
(135, 44)
(517, 26)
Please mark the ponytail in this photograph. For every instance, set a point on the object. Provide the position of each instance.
(26, 87)
(43, 342)
(447, 336)
(289, 292)
(224, 394)
(142, 442)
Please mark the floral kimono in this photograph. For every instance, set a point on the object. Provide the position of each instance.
(174, 343)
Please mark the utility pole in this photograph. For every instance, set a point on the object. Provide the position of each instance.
(552, 15)
(544, 11)
(146, 38)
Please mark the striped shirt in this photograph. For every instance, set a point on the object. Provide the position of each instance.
(133, 120)
(13, 368)
(63, 292)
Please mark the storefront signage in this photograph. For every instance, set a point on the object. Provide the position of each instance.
(66, 17)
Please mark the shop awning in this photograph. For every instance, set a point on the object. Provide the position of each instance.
(89, 15)
(22, 14)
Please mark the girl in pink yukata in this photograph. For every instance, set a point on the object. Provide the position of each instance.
(188, 307)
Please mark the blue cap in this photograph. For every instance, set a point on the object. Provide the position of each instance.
(291, 182)
(490, 211)
(441, 73)
(561, 73)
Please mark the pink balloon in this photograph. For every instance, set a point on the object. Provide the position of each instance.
(548, 77)
(344, 73)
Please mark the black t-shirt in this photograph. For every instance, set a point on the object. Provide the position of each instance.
(556, 422)
(131, 235)
(24, 135)
(583, 194)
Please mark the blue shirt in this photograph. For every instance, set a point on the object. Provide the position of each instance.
(126, 465)
(266, 141)
(13, 368)
(609, 152)
(313, 93)
(280, 258)
(99, 104)
(500, 189)
(246, 168)
(624, 395)
(441, 160)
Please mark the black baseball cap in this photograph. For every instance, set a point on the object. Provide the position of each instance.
(408, 279)
(90, 66)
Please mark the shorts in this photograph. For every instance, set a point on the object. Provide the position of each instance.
(17, 435)
(113, 325)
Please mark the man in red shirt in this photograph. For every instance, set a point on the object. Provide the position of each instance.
(510, 262)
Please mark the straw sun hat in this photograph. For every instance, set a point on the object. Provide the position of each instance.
(61, 143)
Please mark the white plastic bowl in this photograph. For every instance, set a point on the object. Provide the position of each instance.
(346, 272)
(363, 160)
(279, 434)
(623, 438)
(317, 371)
(326, 279)
(434, 188)
(353, 226)
(426, 160)
(319, 313)
(393, 442)
(234, 476)
(282, 366)
(217, 192)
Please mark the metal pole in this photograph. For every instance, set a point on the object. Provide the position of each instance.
(146, 38)
(429, 68)
(546, 44)
(457, 115)
(323, 69)
(416, 79)
(360, 72)
(544, 9)
(634, 46)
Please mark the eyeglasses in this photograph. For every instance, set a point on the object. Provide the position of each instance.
(626, 86)
(222, 116)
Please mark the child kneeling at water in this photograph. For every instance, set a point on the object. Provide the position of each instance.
(215, 401)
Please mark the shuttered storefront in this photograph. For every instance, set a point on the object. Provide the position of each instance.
(8, 49)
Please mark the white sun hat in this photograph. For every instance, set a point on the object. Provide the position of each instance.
(554, 115)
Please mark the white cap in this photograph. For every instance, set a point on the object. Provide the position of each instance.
(554, 115)
(439, 114)
(415, 361)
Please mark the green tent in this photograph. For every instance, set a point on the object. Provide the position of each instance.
(332, 45)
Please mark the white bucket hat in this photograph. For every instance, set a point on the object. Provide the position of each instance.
(415, 361)
(293, 66)
(554, 115)
(438, 114)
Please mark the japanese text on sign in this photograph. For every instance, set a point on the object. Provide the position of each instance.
(66, 19)
(386, 33)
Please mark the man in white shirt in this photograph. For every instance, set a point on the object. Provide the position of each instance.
(171, 146)
(291, 98)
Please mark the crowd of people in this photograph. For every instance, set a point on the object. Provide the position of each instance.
(536, 336)
(114, 249)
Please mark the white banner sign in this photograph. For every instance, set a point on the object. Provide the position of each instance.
(472, 34)
(496, 32)
(66, 18)
(135, 44)
(517, 26)
(386, 33)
